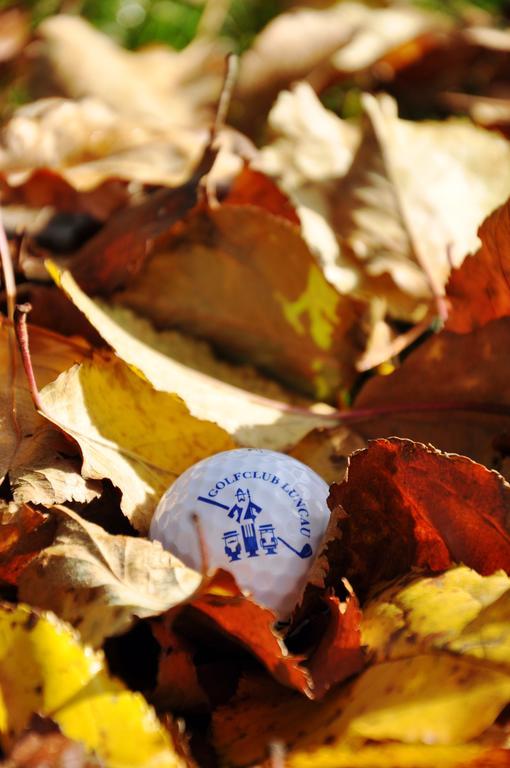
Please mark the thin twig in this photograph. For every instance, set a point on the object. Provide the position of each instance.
(20, 323)
(204, 556)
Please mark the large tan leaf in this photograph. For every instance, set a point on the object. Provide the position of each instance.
(99, 583)
(251, 415)
(246, 281)
(44, 669)
(412, 201)
(138, 438)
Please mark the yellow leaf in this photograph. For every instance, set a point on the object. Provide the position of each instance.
(455, 610)
(43, 668)
(128, 432)
(253, 420)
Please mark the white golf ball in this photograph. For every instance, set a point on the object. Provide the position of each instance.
(261, 514)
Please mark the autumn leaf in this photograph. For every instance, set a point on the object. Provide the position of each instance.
(452, 392)
(291, 321)
(24, 531)
(105, 407)
(421, 663)
(408, 505)
(405, 219)
(459, 611)
(99, 583)
(43, 668)
(254, 415)
(479, 290)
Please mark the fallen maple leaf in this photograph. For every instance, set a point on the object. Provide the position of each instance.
(255, 416)
(44, 669)
(100, 583)
(94, 404)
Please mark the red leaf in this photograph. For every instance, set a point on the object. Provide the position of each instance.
(479, 291)
(339, 654)
(410, 505)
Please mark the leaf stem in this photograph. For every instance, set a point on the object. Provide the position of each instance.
(20, 323)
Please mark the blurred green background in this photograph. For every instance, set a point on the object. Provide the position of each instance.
(136, 22)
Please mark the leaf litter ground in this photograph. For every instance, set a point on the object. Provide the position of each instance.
(326, 274)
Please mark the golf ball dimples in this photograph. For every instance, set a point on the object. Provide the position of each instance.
(262, 516)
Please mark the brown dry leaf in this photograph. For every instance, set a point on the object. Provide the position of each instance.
(251, 408)
(445, 372)
(24, 531)
(100, 583)
(479, 291)
(51, 354)
(246, 281)
(138, 438)
(157, 85)
(409, 505)
(412, 201)
(15, 32)
(178, 685)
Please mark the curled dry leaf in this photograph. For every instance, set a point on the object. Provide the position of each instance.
(409, 505)
(99, 583)
(43, 743)
(479, 290)
(452, 391)
(138, 438)
(412, 201)
(46, 470)
(87, 144)
(248, 624)
(339, 654)
(45, 669)
(255, 418)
